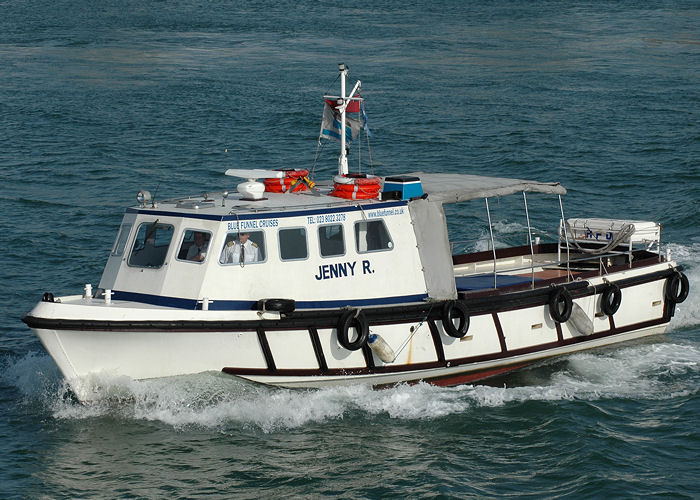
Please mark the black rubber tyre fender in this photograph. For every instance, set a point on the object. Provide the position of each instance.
(278, 305)
(611, 299)
(677, 288)
(353, 318)
(560, 296)
(455, 309)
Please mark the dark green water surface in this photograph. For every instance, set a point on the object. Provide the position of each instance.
(101, 99)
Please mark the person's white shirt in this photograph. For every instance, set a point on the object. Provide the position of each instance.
(232, 252)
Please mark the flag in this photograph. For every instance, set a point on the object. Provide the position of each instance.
(330, 124)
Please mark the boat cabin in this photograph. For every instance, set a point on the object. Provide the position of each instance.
(226, 251)
(324, 252)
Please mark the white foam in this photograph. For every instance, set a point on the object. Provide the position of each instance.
(503, 227)
(688, 312)
(504, 233)
(32, 374)
(653, 371)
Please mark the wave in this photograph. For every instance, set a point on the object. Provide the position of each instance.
(651, 370)
(505, 234)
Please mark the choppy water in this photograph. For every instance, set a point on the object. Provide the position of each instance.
(100, 100)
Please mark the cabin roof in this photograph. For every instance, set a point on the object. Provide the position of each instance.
(444, 188)
(452, 188)
(216, 207)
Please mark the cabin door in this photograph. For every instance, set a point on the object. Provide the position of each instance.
(433, 248)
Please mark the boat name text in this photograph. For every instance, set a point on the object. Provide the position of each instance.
(342, 270)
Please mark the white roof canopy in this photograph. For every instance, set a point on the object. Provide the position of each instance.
(452, 188)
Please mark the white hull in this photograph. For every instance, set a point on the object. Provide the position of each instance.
(496, 342)
(459, 374)
(148, 358)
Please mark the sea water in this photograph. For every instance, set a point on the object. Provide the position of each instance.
(99, 100)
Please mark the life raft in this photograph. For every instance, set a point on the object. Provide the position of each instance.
(356, 186)
(294, 181)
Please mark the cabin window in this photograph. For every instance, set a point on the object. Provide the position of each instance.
(120, 242)
(243, 248)
(331, 240)
(151, 245)
(372, 236)
(293, 244)
(195, 246)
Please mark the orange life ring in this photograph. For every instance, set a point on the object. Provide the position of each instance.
(359, 179)
(349, 188)
(356, 186)
(355, 192)
(294, 180)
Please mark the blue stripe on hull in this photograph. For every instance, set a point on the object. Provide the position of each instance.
(251, 305)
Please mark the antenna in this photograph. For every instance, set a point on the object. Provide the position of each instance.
(153, 200)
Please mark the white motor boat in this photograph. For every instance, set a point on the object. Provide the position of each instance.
(296, 284)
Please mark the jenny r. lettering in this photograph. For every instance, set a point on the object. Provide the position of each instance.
(340, 270)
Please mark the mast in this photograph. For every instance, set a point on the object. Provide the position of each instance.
(343, 102)
(343, 159)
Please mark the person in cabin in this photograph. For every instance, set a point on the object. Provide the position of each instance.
(198, 250)
(243, 250)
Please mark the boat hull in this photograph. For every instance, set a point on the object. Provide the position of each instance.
(302, 349)
(466, 372)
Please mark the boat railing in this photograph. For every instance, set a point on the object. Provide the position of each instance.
(535, 259)
(526, 262)
(607, 238)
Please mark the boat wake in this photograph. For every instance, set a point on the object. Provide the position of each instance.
(688, 313)
(643, 370)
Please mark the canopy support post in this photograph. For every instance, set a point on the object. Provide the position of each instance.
(529, 237)
(493, 245)
(566, 238)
